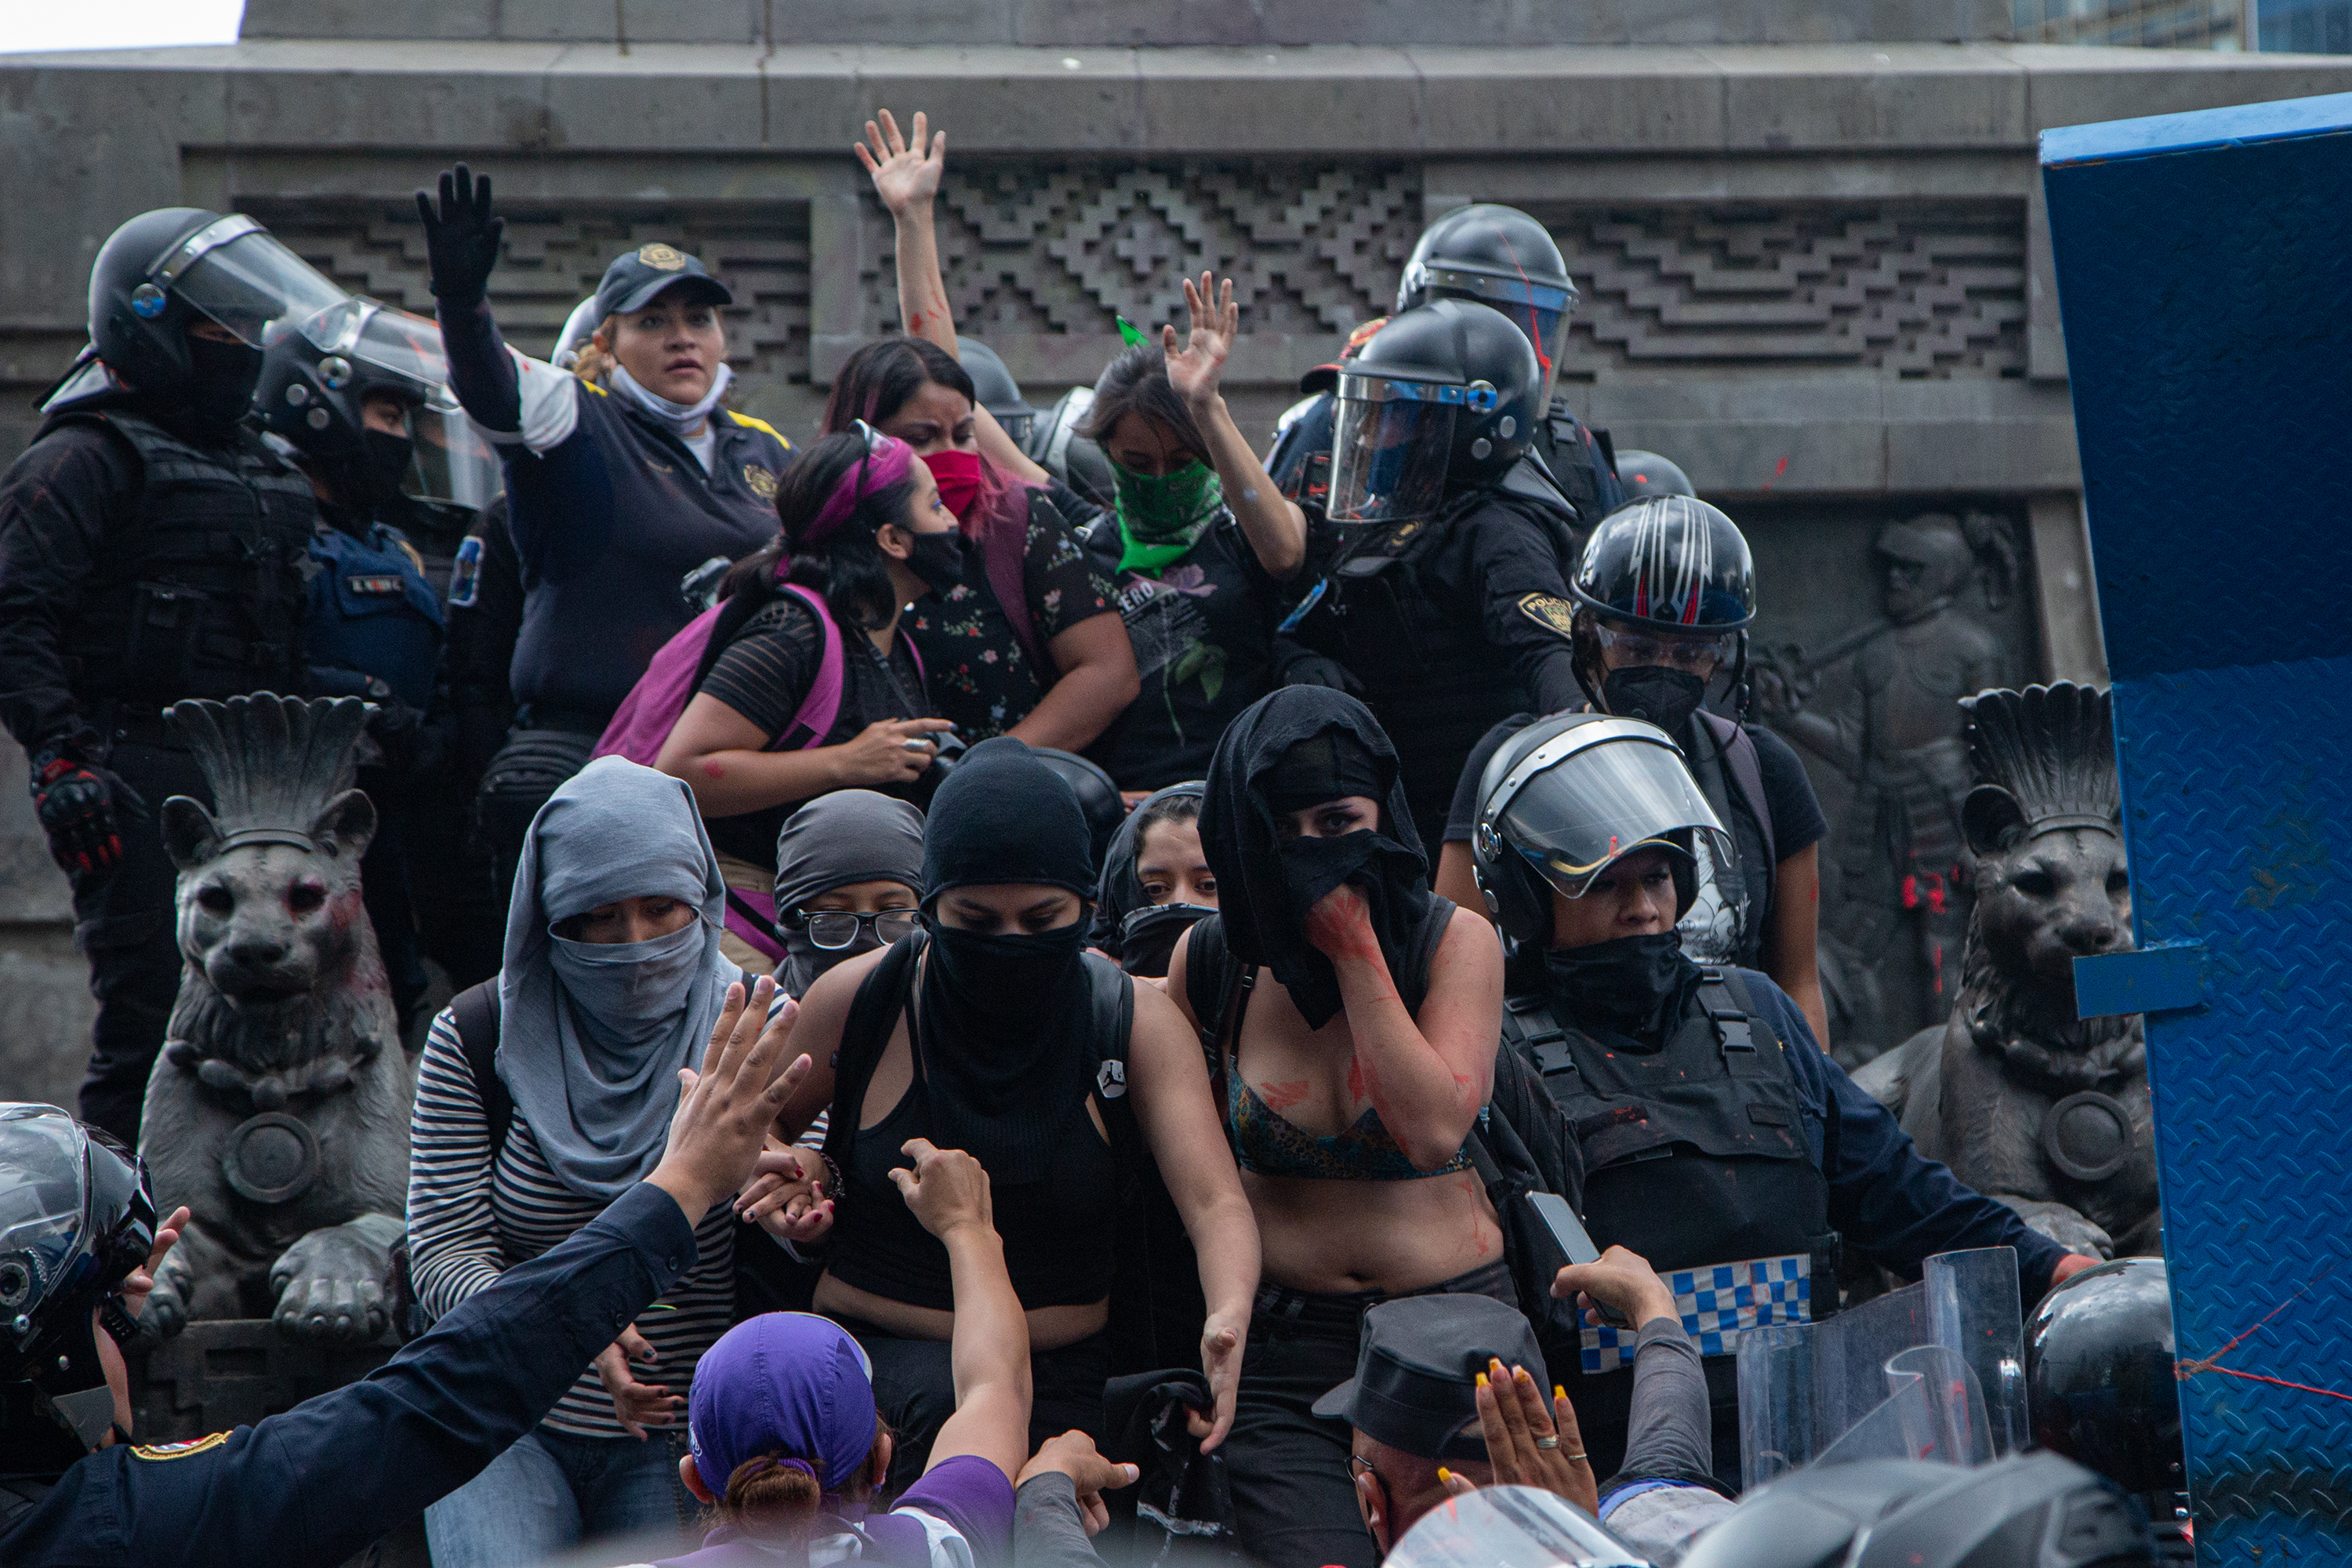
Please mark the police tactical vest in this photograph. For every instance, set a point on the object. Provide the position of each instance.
(1560, 439)
(373, 611)
(201, 593)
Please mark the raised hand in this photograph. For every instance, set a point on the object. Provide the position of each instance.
(1529, 1444)
(1339, 925)
(905, 176)
(1195, 370)
(724, 1112)
(461, 236)
(947, 1190)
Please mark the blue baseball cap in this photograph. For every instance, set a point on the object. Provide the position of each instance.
(637, 275)
(784, 1382)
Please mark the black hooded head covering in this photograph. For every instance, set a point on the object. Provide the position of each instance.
(1003, 1021)
(1121, 895)
(1294, 748)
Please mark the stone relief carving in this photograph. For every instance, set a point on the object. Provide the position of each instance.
(554, 259)
(1918, 290)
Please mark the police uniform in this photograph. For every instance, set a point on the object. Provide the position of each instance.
(318, 1483)
(1739, 1161)
(142, 563)
(1581, 463)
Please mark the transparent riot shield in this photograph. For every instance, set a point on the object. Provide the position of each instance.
(1849, 1387)
(1510, 1527)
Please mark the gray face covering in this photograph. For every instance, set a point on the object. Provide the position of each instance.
(590, 1035)
(836, 840)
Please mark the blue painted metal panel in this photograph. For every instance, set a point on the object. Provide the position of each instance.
(2205, 274)
(2160, 979)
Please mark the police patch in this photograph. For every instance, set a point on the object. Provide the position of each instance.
(379, 582)
(1548, 611)
(761, 480)
(179, 1450)
(661, 257)
(1111, 1081)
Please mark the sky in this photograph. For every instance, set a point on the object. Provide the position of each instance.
(116, 24)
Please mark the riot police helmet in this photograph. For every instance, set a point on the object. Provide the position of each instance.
(2099, 1374)
(1054, 445)
(1501, 257)
(1646, 474)
(1665, 583)
(1570, 795)
(164, 270)
(318, 377)
(2037, 1510)
(996, 390)
(1445, 398)
(1098, 797)
(76, 1218)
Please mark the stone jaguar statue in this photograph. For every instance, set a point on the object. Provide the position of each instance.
(2026, 1102)
(278, 1110)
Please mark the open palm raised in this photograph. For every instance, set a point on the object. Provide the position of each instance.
(1195, 370)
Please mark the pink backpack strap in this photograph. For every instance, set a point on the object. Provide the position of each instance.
(1004, 556)
(822, 706)
(650, 711)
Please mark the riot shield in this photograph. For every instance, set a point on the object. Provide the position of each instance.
(1934, 1370)
(1510, 1527)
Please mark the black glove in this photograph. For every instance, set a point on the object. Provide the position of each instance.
(398, 729)
(75, 801)
(461, 239)
(1314, 669)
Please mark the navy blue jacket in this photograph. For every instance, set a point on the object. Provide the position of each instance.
(1889, 1201)
(318, 1483)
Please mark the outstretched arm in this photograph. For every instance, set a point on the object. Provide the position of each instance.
(907, 178)
(1274, 525)
(947, 1192)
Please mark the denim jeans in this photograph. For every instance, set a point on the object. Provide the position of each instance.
(553, 1491)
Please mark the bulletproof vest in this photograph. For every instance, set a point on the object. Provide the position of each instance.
(19, 1496)
(201, 595)
(373, 611)
(1561, 440)
(1694, 1153)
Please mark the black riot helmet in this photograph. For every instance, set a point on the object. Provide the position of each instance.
(996, 389)
(318, 374)
(1497, 256)
(2098, 1374)
(1646, 474)
(1054, 445)
(166, 268)
(2031, 1510)
(1098, 797)
(1567, 798)
(1444, 398)
(1670, 578)
(75, 1220)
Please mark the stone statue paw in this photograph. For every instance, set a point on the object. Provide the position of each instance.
(166, 1312)
(2066, 1226)
(330, 1284)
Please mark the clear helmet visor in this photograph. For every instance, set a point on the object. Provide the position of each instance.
(249, 282)
(454, 466)
(1575, 818)
(1389, 452)
(41, 1204)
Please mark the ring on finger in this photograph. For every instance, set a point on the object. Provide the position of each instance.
(1552, 1442)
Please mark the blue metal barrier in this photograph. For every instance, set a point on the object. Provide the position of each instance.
(2205, 275)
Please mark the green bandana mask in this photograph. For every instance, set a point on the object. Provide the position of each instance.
(1162, 517)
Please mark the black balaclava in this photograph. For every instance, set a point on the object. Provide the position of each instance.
(1122, 906)
(379, 473)
(1635, 985)
(221, 379)
(1654, 693)
(1298, 747)
(1003, 1020)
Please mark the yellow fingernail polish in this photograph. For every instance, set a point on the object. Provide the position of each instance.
(1482, 1380)
(1443, 1475)
(1557, 1391)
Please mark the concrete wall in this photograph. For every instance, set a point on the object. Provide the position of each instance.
(1815, 272)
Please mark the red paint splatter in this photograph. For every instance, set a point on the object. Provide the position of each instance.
(1283, 1096)
(1777, 470)
(712, 770)
(1355, 1078)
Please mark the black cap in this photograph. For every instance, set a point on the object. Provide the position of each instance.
(1416, 1382)
(637, 275)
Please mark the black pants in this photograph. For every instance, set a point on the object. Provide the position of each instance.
(391, 901)
(123, 923)
(914, 1388)
(1294, 1501)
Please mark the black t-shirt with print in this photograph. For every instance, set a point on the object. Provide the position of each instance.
(1202, 630)
(765, 674)
(981, 679)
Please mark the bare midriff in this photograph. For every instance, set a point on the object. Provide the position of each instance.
(1050, 1327)
(1341, 1238)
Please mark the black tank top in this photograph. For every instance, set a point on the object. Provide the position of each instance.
(1058, 1233)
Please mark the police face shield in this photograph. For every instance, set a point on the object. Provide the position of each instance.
(1593, 794)
(389, 351)
(1391, 447)
(239, 277)
(454, 467)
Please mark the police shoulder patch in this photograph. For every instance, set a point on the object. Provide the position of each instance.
(1548, 611)
(178, 1450)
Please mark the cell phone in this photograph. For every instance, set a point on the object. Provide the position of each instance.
(1569, 1233)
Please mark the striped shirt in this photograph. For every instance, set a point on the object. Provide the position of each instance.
(468, 1220)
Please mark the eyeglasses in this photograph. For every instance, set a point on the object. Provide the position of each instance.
(1700, 656)
(1359, 1466)
(832, 929)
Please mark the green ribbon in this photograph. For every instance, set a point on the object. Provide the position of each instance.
(1162, 516)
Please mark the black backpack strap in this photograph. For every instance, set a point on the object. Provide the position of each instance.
(1113, 1022)
(1738, 748)
(475, 1013)
(865, 1034)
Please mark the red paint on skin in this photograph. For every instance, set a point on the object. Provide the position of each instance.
(1283, 1096)
(1355, 1078)
(712, 770)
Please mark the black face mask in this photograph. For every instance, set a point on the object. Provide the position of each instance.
(937, 560)
(221, 379)
(1002, 1019)
(1147, 938)
(1380, 868)
(385, 464)
(1636, 986)
(1654, 693)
